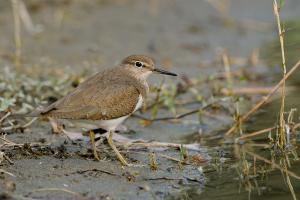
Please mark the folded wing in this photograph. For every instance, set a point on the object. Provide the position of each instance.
(95, 102)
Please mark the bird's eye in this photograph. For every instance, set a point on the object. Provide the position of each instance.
(138, 64)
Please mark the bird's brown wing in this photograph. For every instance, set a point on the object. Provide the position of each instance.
(111, 100)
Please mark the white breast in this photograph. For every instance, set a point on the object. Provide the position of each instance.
(139, 103)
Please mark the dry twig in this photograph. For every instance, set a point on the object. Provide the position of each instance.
(6, 172)
(262, 101)
(258, 157)
(5, 116)
(256, 133)
(282, 137)
(17, 31)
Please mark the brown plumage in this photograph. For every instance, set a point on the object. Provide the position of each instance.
(107, 95)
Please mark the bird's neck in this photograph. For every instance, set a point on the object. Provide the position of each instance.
(142, 85)
(140, 82)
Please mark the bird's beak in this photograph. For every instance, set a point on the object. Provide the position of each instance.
(161, 71)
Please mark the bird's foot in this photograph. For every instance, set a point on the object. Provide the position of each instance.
(92, 138)
(112, 145)
(124, 162)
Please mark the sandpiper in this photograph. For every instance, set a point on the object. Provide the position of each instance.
(109, 96)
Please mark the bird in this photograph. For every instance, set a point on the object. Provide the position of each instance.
(109, 96)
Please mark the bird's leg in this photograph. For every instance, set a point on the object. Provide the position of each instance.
(112, 145)
(92, 138)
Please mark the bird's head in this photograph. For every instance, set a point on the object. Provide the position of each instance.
(142, 66)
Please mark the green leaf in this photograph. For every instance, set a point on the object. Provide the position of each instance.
(6, 103)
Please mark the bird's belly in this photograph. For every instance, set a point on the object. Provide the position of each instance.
(112, 124)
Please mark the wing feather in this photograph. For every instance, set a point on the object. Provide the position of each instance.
(99, 98)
